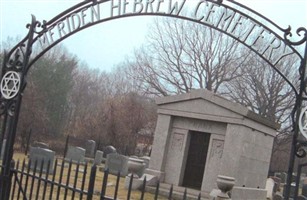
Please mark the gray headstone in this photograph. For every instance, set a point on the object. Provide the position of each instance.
(40, 144)
(117, 163)
(2, 149)
(75, 154)
(108, 149)
(98, 157)
(38, 155)
(90, 148)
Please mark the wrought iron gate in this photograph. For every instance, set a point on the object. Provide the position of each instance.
(69, 180)
(18, 61)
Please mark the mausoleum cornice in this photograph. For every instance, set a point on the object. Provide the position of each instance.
(219, 109)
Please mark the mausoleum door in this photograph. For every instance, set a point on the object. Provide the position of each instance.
(196, 160)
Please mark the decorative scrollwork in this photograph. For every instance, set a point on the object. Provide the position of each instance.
(300, 151)
(16, 59)
(8, 106)
(302, 122)
(12, 108)
(38, 26)
(3, 107)
(300, 32)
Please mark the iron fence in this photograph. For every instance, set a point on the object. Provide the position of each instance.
(69, 180)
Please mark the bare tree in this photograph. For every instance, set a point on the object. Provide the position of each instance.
(181, 56)
(85, 100)
(127, 115)
(263, 90)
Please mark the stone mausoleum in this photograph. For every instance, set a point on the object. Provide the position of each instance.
(201, 135)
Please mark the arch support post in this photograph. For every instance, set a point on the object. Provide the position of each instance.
(7, 163)
(14, 70)
(297, 145)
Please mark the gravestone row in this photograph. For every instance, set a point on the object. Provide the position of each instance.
(40, 153)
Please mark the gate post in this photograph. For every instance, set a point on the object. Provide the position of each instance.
(14, 69)
(6, 172)
(296, 148)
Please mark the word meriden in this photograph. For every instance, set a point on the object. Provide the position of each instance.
(93, 14)
(210, 13)
(70, 24)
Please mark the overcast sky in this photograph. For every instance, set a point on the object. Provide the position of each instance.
(105, 45)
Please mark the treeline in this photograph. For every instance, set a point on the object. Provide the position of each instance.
(65, 97)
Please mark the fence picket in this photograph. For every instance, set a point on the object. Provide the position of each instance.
(33, 178)
(83, 180)
(21, 178)
(46, 179)
(91, 183)
(117, 185)
(62, 178)
(75, 181)
(170, 192)
(185, 194)
(53, 179)
(104, 184)
(39, 179)
(157, 190)
(15, 181)
(130, 186)
(27, 178)
(67, 180)
(143, 188)
(199, 196)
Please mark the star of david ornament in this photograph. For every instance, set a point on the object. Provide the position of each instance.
(10, 84)
(303, 122)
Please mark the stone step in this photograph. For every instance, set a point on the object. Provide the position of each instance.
(178, 192)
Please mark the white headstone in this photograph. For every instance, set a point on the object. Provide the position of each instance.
(75, 154)
(90, 148)
(270, 188)
(98, 157)
(117, 163)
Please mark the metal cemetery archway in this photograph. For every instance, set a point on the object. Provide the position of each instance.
(228, 17)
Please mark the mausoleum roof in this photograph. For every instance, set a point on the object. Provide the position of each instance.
(216, 99)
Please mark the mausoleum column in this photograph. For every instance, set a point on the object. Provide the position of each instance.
(160, 145)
